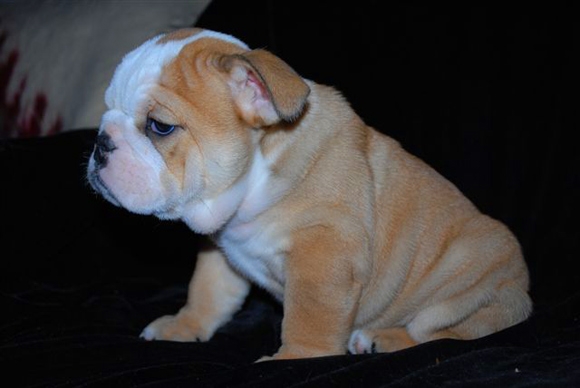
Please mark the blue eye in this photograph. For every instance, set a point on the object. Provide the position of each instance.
(160, 128)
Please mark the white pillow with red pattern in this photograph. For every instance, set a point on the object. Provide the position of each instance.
(57, 57)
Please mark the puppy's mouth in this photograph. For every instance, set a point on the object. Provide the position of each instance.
(99, 186)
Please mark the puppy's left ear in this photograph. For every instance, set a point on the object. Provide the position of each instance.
(264, 88)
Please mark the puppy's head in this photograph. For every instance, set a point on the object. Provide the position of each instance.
(180, 129)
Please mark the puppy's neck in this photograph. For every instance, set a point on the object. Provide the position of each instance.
(248, 196)
(281, 157)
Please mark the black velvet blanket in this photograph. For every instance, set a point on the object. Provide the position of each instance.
(477, 93)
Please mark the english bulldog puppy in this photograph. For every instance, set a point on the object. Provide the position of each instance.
(367, 247)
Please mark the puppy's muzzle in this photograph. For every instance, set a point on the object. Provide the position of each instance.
(103, 147)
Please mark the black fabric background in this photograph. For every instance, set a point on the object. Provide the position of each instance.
(483, 94)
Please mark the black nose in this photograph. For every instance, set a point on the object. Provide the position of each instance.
(103, 146)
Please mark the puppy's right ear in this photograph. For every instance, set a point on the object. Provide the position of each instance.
(264, 88)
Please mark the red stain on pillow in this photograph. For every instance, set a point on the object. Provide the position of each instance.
(13, 123)
(31, 125)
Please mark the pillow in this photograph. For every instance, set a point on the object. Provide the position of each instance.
(57, 57)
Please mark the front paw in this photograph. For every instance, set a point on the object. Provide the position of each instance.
(295, 352)
(282, 354)
(264, 358)
(181, 327)
(277, 356)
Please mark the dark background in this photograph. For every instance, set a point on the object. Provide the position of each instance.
(484, 94)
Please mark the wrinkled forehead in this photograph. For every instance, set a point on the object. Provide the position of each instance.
(141, 68)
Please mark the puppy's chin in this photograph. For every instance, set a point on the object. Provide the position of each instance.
(97, 183)
(99, 186)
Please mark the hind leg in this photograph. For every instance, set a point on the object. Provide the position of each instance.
(488, 320)
(425, 327)
(462, 320)
(434, 322)
(389, 340)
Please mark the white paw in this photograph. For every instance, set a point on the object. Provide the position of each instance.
(149, 333)
(360, 342)
(158, 329)
(178, 327)
(264, 359)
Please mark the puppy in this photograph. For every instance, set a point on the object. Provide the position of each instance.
(367, 247)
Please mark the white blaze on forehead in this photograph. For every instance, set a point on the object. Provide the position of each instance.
(141, 68)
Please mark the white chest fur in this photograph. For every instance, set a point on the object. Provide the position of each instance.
(257, 253)
(252, 244)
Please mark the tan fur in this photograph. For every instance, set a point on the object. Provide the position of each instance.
(223, 293)
(377, 247)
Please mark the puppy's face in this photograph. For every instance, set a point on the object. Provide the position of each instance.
(171, 135)
(180, 132)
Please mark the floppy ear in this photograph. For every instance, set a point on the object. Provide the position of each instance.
(264, 88)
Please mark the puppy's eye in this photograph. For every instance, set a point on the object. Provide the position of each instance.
(159, 128)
